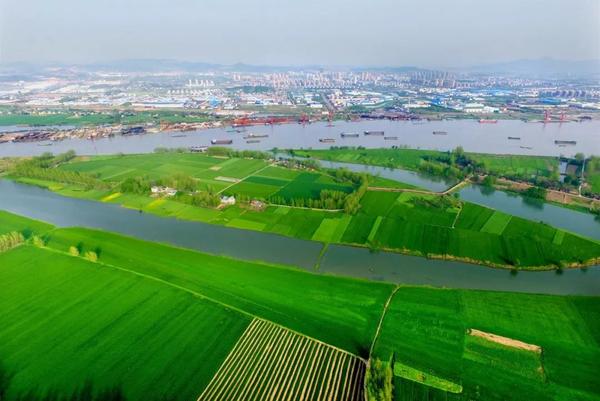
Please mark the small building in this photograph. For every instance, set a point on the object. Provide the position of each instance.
(227, 200)
(157, 190)
(198, 149)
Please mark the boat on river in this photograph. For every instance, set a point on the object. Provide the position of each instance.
(221, 141)
(349, 135)
(440, 133)
(326, 140)
(374, 133)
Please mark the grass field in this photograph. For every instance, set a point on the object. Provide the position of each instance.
(182, 310)
(12, 222)
(411, 159)
(73, 117)
(426, 330)
(404, 222)
(158, 322)
(338, 311)
(271, 363)
(88, 322)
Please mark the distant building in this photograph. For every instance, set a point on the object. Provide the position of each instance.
(227, 200)
(157, 190)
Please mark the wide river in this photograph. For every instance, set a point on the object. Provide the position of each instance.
(535, 138)
(42, 204)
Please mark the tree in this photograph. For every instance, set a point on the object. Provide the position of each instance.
(379, 381)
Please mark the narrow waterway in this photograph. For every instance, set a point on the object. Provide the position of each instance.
(62, 211)
(581, 223)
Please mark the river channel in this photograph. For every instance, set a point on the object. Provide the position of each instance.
(62, 211)
(535, 138)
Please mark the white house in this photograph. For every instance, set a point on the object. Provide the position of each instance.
(227, 200)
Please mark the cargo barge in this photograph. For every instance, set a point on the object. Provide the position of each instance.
(390, 138)
(440, 133)
(514, 138)
(557, 142)
(326, 140)
(349, 135)
(253, 141)
(374, 133)
(486, 121)
(249, 136)
(221, 141)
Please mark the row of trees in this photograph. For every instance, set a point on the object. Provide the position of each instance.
(44, 167)
(436, 202)
(243, 154)
(11, 240)
(328, 199)
(379, 381)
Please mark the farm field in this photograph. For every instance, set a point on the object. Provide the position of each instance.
(413, 223)
(271, 363)
(339, 311)
(76, 118)
(210, 326)
(426, 331)
(12, 222)
(410, 159)
(118, 331)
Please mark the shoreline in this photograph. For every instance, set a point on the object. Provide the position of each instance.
(407, 252)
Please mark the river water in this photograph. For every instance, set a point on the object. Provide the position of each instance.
(44, 205)
(536, 138)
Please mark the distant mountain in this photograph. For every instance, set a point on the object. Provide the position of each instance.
(545, 68)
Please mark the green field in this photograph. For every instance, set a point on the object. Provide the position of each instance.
(79, 117)
(89, 322)
(426, 330)
(180, 309)
(411, 159)
(339, 312)
(155, 322)
(408, 222)
(12, 222)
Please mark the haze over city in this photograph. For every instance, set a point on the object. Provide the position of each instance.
(433, 34)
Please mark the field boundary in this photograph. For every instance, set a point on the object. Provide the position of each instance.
(203, 296)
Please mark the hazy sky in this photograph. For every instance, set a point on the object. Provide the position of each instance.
(429, 33)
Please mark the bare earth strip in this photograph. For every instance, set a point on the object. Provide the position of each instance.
(509, 342)
(272, 363)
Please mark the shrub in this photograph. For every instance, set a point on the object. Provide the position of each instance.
(73, 251)
(11, 240)
(91, 256)
(379, 381)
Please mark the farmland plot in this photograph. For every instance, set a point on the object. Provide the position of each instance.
(272, 363)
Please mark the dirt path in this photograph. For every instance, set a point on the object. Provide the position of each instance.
(509, 342)
(385, 308)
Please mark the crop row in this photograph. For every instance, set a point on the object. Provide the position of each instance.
(274, 364)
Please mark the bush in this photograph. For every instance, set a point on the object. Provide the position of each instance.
(73, 251)
(91, 256)
(10, 240)
(37, 241)
(379, 381)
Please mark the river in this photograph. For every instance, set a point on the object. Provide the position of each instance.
(62, 211)
(535, 138)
